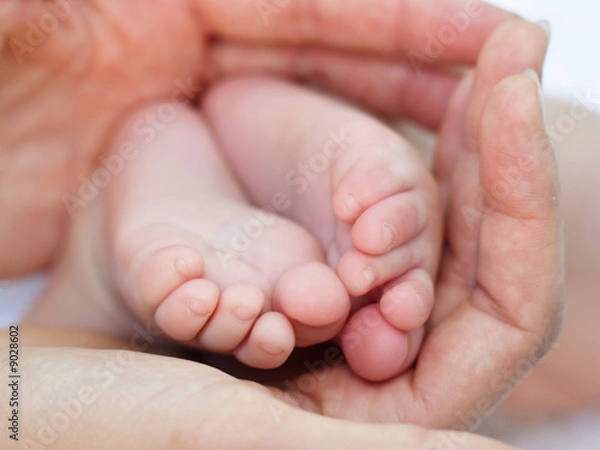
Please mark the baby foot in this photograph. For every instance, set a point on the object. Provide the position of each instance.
(359, 188)
(190, 254)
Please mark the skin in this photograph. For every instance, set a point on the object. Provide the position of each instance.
(567, 380)
(482, 290)
(154, 385)
(483, 280)
(481, 297)
(73, 87)
(216, 405)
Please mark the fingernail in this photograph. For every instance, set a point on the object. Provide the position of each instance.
(545, 25)
(532, 74)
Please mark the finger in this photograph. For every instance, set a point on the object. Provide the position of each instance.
(391, 88)
(520, 248)
(193, 394)
(513, 48)
(399, 27)
(450, 142)
(514, 313)
(516, 46)
(490, 341)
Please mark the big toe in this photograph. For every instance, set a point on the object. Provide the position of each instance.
(315, 301)
(374, 349)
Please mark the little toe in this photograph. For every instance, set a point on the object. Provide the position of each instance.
(407, 302)
(238, 308)
(361, 273)
(185, 311)
(269, 343)
(151, 276)
(374, 349)
(315, 301)
(389, 223)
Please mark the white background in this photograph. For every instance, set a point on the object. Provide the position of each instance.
(573, 61)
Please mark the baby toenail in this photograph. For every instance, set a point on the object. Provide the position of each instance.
(369, 275)
(271, 349)
(181, 267)
(352, 205)
(198, 307)
(389, 235)
(244, 313)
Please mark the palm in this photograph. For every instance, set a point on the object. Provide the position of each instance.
(502, 251)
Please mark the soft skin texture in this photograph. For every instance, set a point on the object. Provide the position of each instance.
(178, 405)
(182, 245)
(568, 380)
(369, 199)
(498, 301)
(36, 219)
(506, 297)
(73, 85)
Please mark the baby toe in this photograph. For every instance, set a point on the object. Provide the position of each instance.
(151, 276)
(315, 301)
(185, 311)
(269, 343)
(374, 349)
(238, 309)
(371, 180)
(407, 302)
(390, 223)
(361, 273)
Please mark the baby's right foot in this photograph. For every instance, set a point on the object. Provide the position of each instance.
(188, 253)
(359, 188)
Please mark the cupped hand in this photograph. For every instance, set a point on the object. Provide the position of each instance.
(499, 291)
(71, 69)
(77, 398)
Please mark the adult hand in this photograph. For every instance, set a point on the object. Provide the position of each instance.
(498, 296)
(106, 399)
(71, 69)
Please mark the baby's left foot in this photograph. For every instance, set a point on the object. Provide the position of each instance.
(364, 193)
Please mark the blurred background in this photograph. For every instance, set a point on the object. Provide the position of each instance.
(572, 72)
